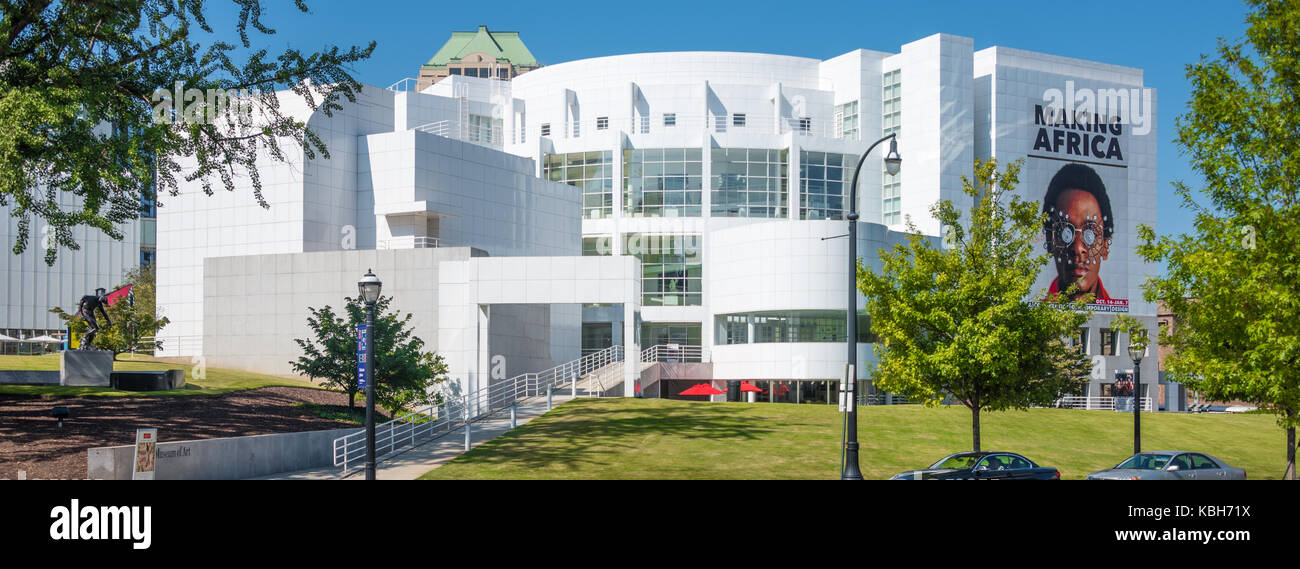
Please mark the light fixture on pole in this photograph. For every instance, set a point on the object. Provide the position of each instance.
(849, 454)
(1136, 351)
(369, 287)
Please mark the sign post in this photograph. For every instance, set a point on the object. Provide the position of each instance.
(146, 448)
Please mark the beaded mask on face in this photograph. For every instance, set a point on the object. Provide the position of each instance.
(1062, 234)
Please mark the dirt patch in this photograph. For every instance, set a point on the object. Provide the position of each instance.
(32, 441)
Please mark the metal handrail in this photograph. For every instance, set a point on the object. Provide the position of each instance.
(407, 84)
(1097, 403)
(674, 353)
(447, 415)
(408, 242)
(439, 128)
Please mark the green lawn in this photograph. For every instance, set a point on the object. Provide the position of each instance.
(214, 382)
(663, 439)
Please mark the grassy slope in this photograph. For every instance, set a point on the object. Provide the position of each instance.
(215, 381)
(655, 438)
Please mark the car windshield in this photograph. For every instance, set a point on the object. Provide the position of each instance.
(1145, 462)
(956, 462)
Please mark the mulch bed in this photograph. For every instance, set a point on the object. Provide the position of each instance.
(32, 441)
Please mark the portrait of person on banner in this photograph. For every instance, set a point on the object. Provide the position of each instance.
(1079, 229)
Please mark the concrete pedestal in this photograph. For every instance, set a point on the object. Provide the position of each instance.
(85, 367)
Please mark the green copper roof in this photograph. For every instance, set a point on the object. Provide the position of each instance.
(505, 46)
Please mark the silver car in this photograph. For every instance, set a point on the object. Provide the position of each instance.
(1170, 465)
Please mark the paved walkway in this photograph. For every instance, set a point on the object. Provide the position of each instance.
(413, 463)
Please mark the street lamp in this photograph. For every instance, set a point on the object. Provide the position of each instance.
(1135, 351)
(892, 163)
(369, 286)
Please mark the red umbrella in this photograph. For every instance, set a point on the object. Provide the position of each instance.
(746, 386)
(701, 389)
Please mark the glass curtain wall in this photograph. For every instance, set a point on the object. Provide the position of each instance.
(671, 268)
(787, 327)
(663, 182)
(891, 113)
(593, 172)
(748, 182)
(822, 181)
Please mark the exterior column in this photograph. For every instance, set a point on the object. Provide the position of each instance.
(631, 351)
(483, 363)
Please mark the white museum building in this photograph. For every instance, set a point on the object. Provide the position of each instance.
(684, 209)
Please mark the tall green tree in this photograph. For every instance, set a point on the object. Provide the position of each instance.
(958, 320)
(1234, 284)
(404, 374)
(82, 111)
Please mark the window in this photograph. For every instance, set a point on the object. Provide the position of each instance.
(846, 121)
(592, 172)
(663, 182)
(787, 326)
(670, 119)
(738, 119)
(682, 334)
(147, 257)
(602, 123)
(596, 336)
(749, 182)
(1107, 342)
(598, 245)
(733, 329)
(546, 129)
(822, 184)
(453, 71)
(483, 129)
(1081, 340)
(503, 73)
(1201, 462)
(671, 269)
(805, 124)
(891, 112)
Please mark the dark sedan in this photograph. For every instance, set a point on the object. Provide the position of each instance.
(982, 466)
(1171, 465)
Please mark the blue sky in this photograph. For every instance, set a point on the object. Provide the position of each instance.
(1160, 37)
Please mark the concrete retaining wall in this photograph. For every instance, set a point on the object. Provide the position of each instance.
(29, 377)
(230, 458)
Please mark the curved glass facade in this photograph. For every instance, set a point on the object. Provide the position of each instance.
(663, 182)
(748, 182)
(593, 172)
(788, 326)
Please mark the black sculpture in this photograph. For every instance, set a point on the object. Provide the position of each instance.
(86, 309)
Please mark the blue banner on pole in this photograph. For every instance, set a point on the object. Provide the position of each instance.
(362, 376)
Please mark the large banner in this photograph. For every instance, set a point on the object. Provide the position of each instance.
(1077, 169)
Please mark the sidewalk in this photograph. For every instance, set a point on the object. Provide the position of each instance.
(413, 463)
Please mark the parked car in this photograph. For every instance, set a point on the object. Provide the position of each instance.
(1170, 465)
(982, 466)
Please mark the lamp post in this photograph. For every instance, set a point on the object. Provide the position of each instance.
(369, 286)
(1135, 351)
(892, 163)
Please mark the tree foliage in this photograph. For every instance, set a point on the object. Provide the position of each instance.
(956, 321)
(133, 320)
(1234, 284)
(404, 375)
(80, 143)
